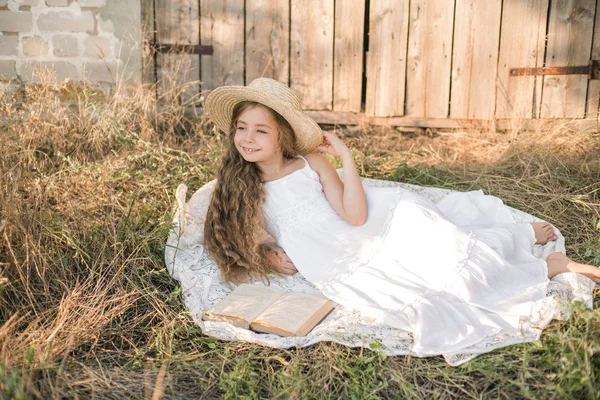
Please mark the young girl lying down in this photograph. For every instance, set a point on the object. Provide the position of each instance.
(367, 248)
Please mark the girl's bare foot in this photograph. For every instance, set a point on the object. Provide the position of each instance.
(543, 232)
(559, 263)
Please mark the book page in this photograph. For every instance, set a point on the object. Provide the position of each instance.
(293, 314)
(243, 305)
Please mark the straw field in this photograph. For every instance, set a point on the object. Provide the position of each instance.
(88, 310)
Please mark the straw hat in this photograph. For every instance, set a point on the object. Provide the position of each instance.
(273, 94)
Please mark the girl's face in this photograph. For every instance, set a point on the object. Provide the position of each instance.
(256, 135)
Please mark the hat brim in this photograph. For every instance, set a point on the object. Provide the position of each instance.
(221, 101)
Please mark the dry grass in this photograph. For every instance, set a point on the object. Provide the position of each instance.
(88, 309)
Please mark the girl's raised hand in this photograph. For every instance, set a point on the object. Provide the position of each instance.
(332, 145)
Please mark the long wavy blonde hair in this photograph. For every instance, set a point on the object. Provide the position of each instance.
(234, 221)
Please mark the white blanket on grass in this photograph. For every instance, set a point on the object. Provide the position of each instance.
(202, 287)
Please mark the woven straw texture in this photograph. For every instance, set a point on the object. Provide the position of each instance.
(273, 94)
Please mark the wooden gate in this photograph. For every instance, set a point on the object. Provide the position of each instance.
(437, 63)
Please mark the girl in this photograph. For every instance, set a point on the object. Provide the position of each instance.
(368, 250)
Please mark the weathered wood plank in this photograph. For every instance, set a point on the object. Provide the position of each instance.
(267, 40)
(178, 75)
(429, 58)
(148, 63)
(594, 85)
(311, 72)
(522, 45)
(349, 118)
(348, 56)
(386, 58)
(222, 26)
(570, 30)
(475, 58)
(165, 25)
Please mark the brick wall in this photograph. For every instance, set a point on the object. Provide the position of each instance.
(93, 40)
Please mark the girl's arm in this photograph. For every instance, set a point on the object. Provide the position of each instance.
(347, 198)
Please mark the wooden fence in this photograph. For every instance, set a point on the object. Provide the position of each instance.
(402, 62)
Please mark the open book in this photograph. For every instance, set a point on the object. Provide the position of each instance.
(267, 309)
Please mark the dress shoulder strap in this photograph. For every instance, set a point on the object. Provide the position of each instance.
(306, 164)
(307, 167)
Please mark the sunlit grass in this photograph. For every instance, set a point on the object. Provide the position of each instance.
(88, 309)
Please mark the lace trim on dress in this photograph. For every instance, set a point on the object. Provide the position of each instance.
(290, 218)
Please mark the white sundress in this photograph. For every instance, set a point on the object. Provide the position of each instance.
(480, 278)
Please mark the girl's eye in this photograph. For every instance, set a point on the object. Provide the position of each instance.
(240, 128)
(261, 132)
